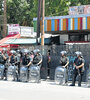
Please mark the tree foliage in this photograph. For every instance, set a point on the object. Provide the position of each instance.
(1, 7)
(23, 11)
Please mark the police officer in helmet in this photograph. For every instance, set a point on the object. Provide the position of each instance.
(3, 60)
(37, 60)
(26, 59)
(4, 54)
(64, 61)
(78, 68)
(13, 57)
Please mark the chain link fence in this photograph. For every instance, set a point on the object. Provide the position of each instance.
(55, 57)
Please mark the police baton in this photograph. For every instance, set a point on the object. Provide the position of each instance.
(78, 72)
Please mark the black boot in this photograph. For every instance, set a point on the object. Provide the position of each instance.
(72, 84)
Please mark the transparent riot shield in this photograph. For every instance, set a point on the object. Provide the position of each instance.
(23, 74)
(60, 75)
(11, 73)
(34, 74)
(2, 67)
(88, 78)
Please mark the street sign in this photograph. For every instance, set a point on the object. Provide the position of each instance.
(76, 10)
(27, 31)
(13, 29)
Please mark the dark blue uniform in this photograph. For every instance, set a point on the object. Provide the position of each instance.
(79, 72)
(25, 60)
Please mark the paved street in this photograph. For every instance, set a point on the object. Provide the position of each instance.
(42, 91)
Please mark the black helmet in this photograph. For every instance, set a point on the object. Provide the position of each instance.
(63, 53)
(36, 51)
(18, 51)
(4, 49)
(78, 53)
(13, 52)
(26, 51)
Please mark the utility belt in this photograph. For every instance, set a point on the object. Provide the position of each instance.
(79, 71)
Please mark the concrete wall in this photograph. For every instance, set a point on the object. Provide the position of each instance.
(63, 38)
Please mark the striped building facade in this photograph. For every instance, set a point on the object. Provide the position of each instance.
(65, 23)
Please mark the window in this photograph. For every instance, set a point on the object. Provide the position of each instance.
(76, 38)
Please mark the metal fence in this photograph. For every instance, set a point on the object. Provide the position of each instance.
(55, 56)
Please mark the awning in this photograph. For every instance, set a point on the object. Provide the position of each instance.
(2, 41)
(21, 41)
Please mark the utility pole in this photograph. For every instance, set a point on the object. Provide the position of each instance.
(4, 20)
(38, 19)
(42, 34)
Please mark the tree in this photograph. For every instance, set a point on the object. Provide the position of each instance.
(23, 11)
(1, 7)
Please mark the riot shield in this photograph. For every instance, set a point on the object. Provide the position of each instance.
(60, 75)
(2, 67)
(88, 77)
(34, 74)
(11, 73)
(23, 74)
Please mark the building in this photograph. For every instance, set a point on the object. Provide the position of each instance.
(73, 27)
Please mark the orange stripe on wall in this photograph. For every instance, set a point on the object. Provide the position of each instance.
(88, 22)
(72, 23)
(78, 23)
(48, 25)
(64, 24)
(56, 24)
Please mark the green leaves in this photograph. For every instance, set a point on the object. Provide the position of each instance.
(23, 11)
(1, 7)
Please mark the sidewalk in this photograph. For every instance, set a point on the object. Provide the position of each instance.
(46, 90)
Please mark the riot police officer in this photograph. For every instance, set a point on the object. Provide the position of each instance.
(37, 60)
(78, 68)
(3, 60)
(13, 57)
(26, 59)
(64, 61)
